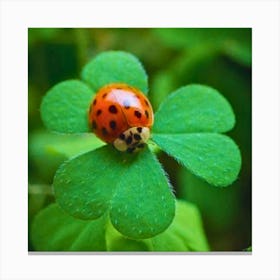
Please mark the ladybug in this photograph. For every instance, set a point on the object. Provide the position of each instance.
(121, 115)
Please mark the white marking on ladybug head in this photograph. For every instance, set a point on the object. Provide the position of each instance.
(120, 145)
(145, 134)
(133, 139)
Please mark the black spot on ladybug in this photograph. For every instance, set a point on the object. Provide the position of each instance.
(93, 125)
(113, 125)
(104, 95)
(113, 109)
(146, 114)
(146, 102)
(122, 136)
(128, 140)
(137, 137)
(137, 114)
(126, 104)
(104, 131)
(94, 102)
(139, 129)
(98, 112)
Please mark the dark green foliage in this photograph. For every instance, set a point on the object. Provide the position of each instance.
(54, 230)
(234, 42)
(221, 210)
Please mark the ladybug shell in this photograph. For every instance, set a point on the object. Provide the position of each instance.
(116, 108)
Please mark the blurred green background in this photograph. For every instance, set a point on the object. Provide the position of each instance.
(218, 57)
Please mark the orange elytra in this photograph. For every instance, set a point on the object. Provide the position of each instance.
(121, 115)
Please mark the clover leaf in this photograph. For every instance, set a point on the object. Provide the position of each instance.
(105, 180)
(115, 67)
(64, 232)
(194, 108)
(132, 189)
(186, 127)
(63, 108)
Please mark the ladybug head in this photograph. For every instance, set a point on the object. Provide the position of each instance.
(132, 140)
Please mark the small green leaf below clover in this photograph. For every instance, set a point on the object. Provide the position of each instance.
(194, 108)
(211, 156)
(186, 232)
(115, 66)
(43, 143)
(54, 230)
(39, 196)
(47, 151)
(65, 107)
(132, 187)
(117, 242)
(73, 144)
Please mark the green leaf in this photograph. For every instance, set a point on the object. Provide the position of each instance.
(211, 156)
(234, 42)
(72, 145)
(47, 151)
(190, 38)
(162, 85)
(115, 66)
(194, 108)
(117, 242)
(143, 205)
(39, 196)
(104, 179)
(220, 206)
(184, 234)
(85, 184)
(43, 142)
(65, 107)
(54, 230)
(240, 51)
